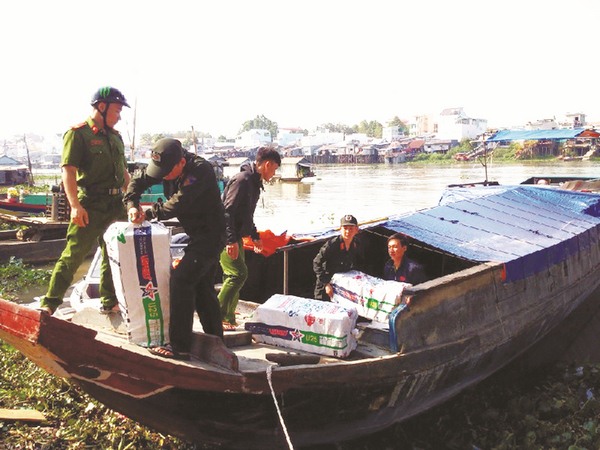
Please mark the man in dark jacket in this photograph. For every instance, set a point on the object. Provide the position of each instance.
(339, 254)
(399, 267)
(240, 198)
(195, 201)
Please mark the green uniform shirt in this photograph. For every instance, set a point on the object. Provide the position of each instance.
(99, 165)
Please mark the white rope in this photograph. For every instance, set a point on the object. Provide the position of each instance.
(287, 436)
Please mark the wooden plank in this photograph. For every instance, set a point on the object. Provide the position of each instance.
(26, 415)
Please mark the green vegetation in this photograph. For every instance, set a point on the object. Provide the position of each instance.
(555, 408)
(74, 420)
(261, 123)
(17, 278)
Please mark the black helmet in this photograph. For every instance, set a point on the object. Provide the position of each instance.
(109, 94)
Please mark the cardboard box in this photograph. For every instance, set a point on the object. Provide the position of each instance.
(373, 297)
(140, 262)
(304, 324)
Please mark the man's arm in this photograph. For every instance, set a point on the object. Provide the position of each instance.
(79, 215)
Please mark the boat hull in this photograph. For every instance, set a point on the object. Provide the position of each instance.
(321, 403)
(446, 334)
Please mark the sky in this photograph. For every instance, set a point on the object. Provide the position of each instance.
(214, 65)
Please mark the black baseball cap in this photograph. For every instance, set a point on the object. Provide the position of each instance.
(166, 154)
(348, 219)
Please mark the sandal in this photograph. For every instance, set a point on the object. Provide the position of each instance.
(107, 310)
(45, 310)
(167, 351)
(229, 326)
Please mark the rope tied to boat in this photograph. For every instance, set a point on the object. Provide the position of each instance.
(285, 431)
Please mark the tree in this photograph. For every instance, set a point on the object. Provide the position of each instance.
(396, 122)
(261, 123)
(372, 129)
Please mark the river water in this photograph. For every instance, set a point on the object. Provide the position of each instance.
(372, 191)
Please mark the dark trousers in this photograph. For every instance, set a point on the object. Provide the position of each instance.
(193, 288)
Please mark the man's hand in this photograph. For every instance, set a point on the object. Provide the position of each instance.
(329, 290)
(79, 216)
(136, 215)
(233, 250)
(258, 246)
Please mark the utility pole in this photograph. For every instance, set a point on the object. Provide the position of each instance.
(194, 140)
(30, 176)
(132, 145)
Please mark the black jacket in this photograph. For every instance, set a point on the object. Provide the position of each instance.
(193, 198)
(240, 198)
(334, 258)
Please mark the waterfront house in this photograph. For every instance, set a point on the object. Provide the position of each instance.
(12, 172)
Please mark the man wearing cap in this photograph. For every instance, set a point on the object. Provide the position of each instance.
(94, 173)
(190, 184)
(339, 254)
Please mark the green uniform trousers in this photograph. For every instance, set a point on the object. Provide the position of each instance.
(102, 210)
(235, 273)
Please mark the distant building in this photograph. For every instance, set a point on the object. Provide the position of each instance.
(454, 124)
(289, 136)
(253, 138)
(574, 120)
(313, 142)
(439, 146)
(390, 134)
(542, 124)
(420, 126)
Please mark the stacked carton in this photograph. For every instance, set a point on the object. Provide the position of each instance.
(311, 325)
(373, 297)
(140, 261)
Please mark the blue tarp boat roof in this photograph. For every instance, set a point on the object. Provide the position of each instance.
(533, 135)
(528, 226)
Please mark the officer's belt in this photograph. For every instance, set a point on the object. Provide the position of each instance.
(104, 191)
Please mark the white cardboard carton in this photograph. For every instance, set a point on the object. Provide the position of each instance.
(140, 261)
(373, 297)
(311, 325)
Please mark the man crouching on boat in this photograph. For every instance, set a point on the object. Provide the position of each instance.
(339, 254)
(196, 202)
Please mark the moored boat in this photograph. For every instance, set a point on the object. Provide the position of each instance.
(18, 208)
(508, 265)
(295, 168)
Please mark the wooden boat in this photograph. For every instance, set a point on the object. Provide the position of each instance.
(34, 239)
(508, 266)
(17, 208)
(295, 168)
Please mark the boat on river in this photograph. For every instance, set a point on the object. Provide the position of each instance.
(507, 265)
(18, 208)
(295, 168)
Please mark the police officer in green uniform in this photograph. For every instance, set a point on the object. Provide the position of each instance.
(94, 175)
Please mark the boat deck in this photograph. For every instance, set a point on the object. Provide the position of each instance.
(239, 352)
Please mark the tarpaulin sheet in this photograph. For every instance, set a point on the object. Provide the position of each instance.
(533, 227)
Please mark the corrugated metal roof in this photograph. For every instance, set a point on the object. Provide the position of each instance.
(533, 135)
